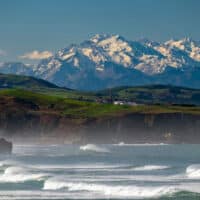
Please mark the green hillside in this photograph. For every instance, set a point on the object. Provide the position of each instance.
(154, 94)
(25, 101)
(18, 81)
(8, 81)
(151, 94)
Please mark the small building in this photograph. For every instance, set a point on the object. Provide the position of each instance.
(118, 103)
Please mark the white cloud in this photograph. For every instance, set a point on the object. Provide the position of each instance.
(36, 55)
(2, 53)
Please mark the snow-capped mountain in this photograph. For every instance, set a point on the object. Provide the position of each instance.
(111, 60)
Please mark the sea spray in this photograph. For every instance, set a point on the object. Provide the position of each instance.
(20, 174)
(94, 148)
(110, 191)
(193, 171)
(150, 168)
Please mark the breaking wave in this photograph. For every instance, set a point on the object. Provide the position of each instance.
(142, 144)
(94, 148)
(120, 174)
(121, 144)
(20, 174)
(150, 168)
(111, 191)
(193, 171)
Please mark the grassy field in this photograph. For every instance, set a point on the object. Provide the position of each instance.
(151, 94)
(83, 109)
(154, 94)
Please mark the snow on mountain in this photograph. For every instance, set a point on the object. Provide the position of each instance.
(117, 49)
(176, 54)
(146, 56)
(107, 60)
(93, 54)
(191, 47)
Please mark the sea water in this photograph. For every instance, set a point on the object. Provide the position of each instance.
(115, 171)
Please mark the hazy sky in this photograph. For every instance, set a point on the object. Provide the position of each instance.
(28, 25)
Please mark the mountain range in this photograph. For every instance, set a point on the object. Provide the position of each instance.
(106, 61)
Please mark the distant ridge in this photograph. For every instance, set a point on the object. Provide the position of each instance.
(147, 94)
(153, 94)
(26, 82)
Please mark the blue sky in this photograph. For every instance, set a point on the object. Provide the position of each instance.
(48, 25)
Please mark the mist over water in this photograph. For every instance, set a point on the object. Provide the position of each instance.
(101, 172)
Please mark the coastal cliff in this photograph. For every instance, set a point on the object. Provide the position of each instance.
(146, 128)
(130, 128)
(26, 116)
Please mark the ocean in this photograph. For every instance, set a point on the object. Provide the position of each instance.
(115, 171)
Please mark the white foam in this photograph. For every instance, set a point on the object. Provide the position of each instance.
(82, 166)
(99, 192)
(150, 168)
(193, 171)
(34, 194)
(110, 191)
(20, 174)
(142, 144)
(150, 144)
(111, 178)
(121, 144)
(94, 148)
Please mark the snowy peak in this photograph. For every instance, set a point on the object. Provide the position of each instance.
(147, 56)
(117, 49)
(149, 43)
(99, 37)
(106, 59)
(114, 43)
(182, 44)
(189, 46)
(99, 49)
(110, 48)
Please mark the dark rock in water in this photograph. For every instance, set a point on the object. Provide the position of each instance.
(5, 146)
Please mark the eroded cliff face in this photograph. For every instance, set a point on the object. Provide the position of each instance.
(146, 128)
(132, 128)
(25, 121)
(39, 127)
